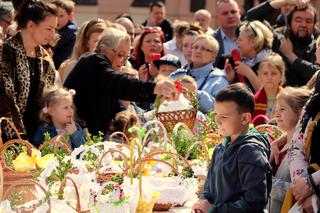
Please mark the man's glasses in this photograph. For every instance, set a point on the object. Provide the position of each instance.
(204, 49)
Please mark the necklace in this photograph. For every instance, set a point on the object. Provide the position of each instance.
(32, 64)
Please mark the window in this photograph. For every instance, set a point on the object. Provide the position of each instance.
(143, 3)
(197, 5)
(87, 2)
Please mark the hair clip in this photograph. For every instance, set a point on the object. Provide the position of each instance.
(45, 110)
(72, 92)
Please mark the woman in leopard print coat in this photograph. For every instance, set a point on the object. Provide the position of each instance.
(25, 67)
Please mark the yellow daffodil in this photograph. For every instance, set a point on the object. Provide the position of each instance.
(26, 163)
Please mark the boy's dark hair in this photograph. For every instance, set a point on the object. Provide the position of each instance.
(35, 11)
(67, 5)
(156, 4)
(239, 94)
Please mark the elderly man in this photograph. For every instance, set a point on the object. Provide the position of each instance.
(228, 19)
(298, 45)
(98, 87)
(157, 17)
(203, 17)
(6, 15)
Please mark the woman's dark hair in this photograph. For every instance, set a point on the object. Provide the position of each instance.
(34, 10)
(240, 95)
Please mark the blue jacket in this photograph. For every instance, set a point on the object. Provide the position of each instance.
(76, 139)
(240, 177)
(209, 80)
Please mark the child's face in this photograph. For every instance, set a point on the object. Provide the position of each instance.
(166, 69)
(63, 18)
(62, 112)
(228, 119)
(286, 118)
(269, 76)
(93, 40)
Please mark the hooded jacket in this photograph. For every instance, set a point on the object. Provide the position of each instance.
(239, 178)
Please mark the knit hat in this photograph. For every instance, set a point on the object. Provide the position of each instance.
(168, 59)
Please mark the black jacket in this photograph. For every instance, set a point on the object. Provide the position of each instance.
(298, 73)
(63, 49)
(98, 89)
(239, 178)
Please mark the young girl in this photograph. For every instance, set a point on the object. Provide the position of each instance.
(57, 117)
(288, 108)
(271, 75)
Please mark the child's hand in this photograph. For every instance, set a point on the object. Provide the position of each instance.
(71, 127)
(202, 206)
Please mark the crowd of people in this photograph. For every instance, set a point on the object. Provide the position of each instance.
(104, 76)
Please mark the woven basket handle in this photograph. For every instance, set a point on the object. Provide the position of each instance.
(63, 183)
(121, 134)
(11, 124)
(172, 154)
(56, 142)
(112, 150)
(27, 182)
(203, 146)
(10, 143)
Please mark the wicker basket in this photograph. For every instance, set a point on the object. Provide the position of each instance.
(107, 176)
(202, 180)
(162, 206)
(145, 207)
(187, 116)
(21, 186)
(58, 143)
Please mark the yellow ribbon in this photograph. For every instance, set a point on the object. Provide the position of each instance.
(26, 163)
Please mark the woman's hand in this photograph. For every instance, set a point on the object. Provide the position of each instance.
(301, 189)
(243, 69)
(201, 206)
(143, 72)
(153, 70)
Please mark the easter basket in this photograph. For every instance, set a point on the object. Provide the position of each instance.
(273, 131)
(171, 117)
(10, 150)
(105, 176)
(22, 191)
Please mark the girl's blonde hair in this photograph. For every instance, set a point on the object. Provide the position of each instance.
(276, 61)
(52, 96)
(260, 33)
(296, 97)
(84, 33)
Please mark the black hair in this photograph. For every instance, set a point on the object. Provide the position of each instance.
(157, 4)
(308, 7)
(34, 10)
(239, 94)
(16, 4)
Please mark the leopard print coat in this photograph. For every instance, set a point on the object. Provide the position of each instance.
(15, 80)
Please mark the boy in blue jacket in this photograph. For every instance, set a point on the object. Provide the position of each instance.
(239, 178)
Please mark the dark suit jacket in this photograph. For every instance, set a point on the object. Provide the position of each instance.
(219, 58)
(98, 89)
